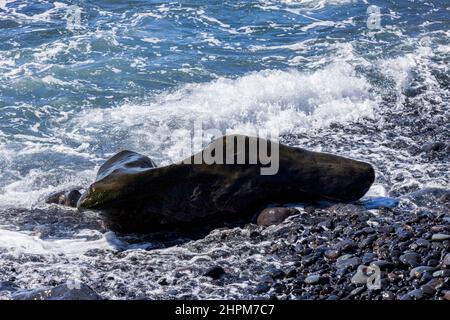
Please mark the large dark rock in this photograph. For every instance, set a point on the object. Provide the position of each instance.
(134, 196)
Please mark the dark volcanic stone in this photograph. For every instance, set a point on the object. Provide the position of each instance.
(214, 272)
(67, 198)
(367, 241)
(332, 254)
(135, 197)
(346, 246)
(422, 243)
(411, 259)
(383, 264)
(415, 294)
(387, 295)
(347, 262)
(403, 234)
(61, 292)
(310, 259)
(271, 216)
(313, 279)
(433, 285)
(417, 272)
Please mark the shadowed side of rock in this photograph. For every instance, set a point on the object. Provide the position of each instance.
(143, 198)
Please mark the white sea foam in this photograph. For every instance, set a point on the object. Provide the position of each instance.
(276, 101)
(299, 6)
(22, 242)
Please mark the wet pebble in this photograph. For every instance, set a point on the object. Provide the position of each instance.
(411, 259)
(446, 261)
(440, 237)
(383, 264)
(347, 261)
(313, 279)
(417, 272)
(214, 272)
(332, 254)
(415, 294)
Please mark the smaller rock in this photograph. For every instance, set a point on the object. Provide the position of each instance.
(440, 237)
(422, 243)
(367, 241)
(277, 215)
(347, 262)
(433, 263)
(403, 234)
(415, 294)
(417, 272)
(67, 198)
(432, 286)
(314, 279)
(439, 228)
(411, 259)
(346, 246)
(441, 273)
(383, 265)
(332, 254)
(446, 261)
(310, 259)
(428, 290)
(214, 272)
(387, 295)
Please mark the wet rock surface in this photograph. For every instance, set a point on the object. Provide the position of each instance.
(67, 198)
(271, 216)
(302, 257)
(269, 262)
(212, 187)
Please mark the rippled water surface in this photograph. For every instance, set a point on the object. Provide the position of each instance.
(134, 75)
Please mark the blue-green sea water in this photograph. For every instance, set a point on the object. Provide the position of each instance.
(82, 80)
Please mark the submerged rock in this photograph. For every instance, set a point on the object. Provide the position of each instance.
(271, 216)
(205, 189)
